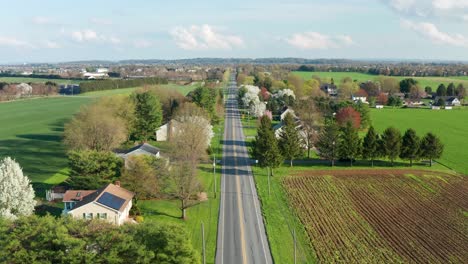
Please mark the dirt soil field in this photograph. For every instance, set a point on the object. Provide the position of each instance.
(383, 216)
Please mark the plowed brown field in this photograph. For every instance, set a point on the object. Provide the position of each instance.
(383, 216)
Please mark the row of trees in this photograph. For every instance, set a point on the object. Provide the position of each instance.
(65, 240)
(451, 90)
(336, 142)
(110, 84)
(343, 143)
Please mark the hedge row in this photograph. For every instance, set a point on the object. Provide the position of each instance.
(108, 84)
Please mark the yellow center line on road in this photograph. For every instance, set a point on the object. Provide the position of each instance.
(239, 197)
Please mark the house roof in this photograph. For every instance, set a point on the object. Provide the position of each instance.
(76, 195)
(143, 147)
(446, 98)
(111, 196)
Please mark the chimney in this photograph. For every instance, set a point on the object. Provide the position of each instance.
(117, 183)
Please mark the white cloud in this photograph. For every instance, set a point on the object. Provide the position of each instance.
(101, 21)
(89, 35)
(84, 35)
(52, 45)
(15, 43)
(40, 20)
(431, 32)
(450, 4)
(456, 9)
(315, 40)
(114, 40)
(204, 37)
(141, 43)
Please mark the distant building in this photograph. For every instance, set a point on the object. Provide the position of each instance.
(361, 99)
(142, 149)
(449, 100)
(164, 132)
(329, 89)
(111, 203)
(69, 89)
(287, 111)
(95, 75)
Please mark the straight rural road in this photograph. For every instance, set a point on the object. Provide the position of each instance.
(241, 232)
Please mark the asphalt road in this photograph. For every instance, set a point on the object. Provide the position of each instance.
(241, 233)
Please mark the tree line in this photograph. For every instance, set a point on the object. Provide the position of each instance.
(337, 142)
(110, 84)
(47, 239)
(343, 143)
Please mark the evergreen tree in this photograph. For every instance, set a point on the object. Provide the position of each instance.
(148, 115)
(460, 91)
(328, 142)
(290, 141)
(410, 146)
(370, 145)
(350, 143)
(441, 90)
(391, 140)
(431, 147)
(265, 146)
(451, 89)
(92, 169)
(16, 192)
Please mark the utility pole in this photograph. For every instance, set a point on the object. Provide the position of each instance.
(295, 245)
(203, 242)
(269, 188)
(214, 175)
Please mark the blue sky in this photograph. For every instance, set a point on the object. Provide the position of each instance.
(57, 30)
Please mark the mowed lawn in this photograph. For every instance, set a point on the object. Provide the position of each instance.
(183, 89)
(450, 126)
(31, 132)
(362, 77)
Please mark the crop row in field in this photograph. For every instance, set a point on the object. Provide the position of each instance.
(379, 216)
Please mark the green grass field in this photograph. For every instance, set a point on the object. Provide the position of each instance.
(31, 131)
(362, 77)
(37, 80)
(450, 126)
(183, 89)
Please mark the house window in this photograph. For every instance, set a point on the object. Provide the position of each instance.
(102, 215)
(89, 215)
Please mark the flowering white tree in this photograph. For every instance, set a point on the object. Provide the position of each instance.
(257, 108)
(286, 92)
(251, 100)
(250, 95)
(16, 192)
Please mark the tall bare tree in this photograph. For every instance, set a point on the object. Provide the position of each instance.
(95, 128)
(191, 138)
(311, 119)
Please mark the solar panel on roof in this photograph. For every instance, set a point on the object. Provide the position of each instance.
(111, 201)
